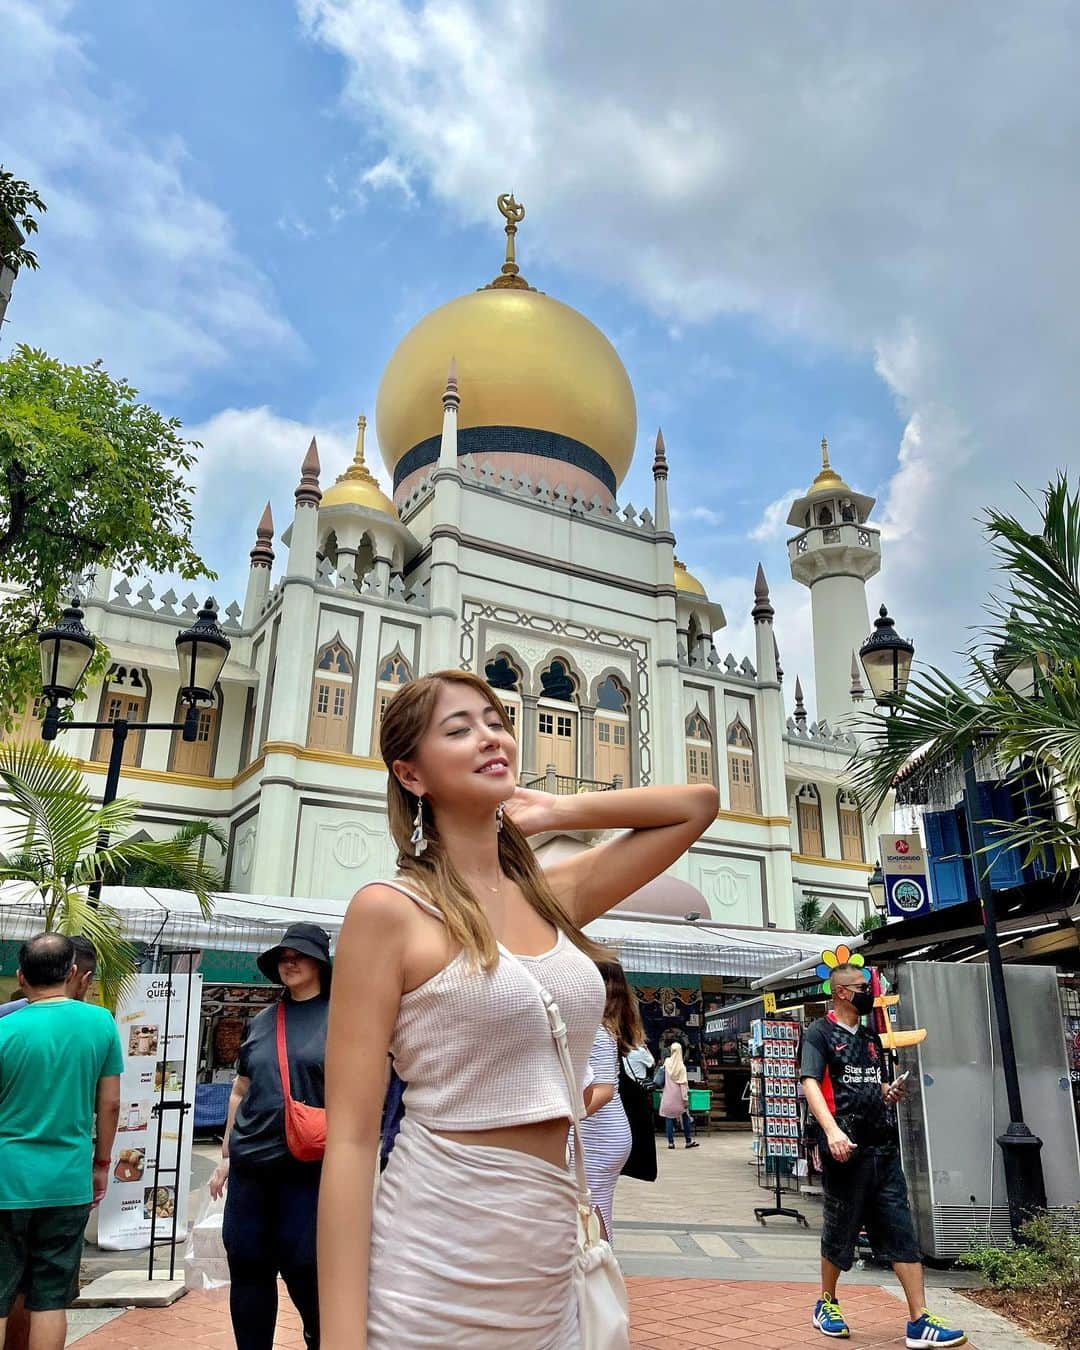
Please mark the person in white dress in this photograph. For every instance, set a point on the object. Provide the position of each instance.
(605, 1131)
(472, 1238)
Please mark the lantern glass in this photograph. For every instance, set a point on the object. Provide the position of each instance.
(876, 887)
(886, 658)
(201, 653)
(66, 651)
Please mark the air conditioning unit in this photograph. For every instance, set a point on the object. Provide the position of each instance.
(956, 1105)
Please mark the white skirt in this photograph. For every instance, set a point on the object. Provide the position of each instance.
(471, 1246)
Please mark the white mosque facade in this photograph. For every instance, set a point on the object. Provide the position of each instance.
(507, 421)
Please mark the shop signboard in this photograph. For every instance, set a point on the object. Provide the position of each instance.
(149, 1061)
(903, 864)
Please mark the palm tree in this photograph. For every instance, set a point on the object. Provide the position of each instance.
(1024, 733)
(809, 918)
(53, 847)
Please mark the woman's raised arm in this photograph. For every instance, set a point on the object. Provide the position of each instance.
(660, 823)
(366, 991)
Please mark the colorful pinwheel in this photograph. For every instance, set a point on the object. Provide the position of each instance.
(842, 956)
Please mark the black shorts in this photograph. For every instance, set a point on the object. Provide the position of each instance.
(40, 1251)
(868, 1190)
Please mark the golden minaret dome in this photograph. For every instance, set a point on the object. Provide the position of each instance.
(539, 384)
(686, 582)
(357, 485)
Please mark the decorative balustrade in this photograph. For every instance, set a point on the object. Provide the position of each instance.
(167, 603)
(558, 498)
(566, 785)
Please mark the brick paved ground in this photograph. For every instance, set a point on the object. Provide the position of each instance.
(668, 1314)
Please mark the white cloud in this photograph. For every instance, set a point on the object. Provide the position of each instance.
(136, 266)
(700, 515)
(251, 456)
(388, 173)
(898, 182)
(773, 523)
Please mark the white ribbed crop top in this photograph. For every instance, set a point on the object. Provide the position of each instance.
(474, 1047)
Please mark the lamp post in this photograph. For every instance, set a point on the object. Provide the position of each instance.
(66, 651)
(876, 888)
(886, 659)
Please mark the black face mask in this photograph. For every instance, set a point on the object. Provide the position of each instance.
(862, 1000)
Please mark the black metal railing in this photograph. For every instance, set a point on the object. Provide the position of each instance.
(566, 785)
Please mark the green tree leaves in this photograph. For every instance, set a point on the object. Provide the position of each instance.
(89, 477)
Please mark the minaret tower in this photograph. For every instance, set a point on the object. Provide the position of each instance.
(835, 553)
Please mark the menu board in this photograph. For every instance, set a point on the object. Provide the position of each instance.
(780, 1108)
(151, 1062)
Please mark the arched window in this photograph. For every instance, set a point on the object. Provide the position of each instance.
(557, 720)
(557, 683)
(501, 674)
(393, 673)
(331, 698)
(741, 776)
(851, 830)
(847, 509)
(505, 678)
(693, 638)
(699, 749)
(824, 515)
(197, 756)
(611, 732)
(125, 695)
(808, 806)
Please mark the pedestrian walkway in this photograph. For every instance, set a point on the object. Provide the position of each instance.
(667, 1314)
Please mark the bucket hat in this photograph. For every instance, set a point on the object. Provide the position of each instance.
(306, 938)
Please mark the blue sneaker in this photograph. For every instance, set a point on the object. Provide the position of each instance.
(828, 1318)
(930, 1331)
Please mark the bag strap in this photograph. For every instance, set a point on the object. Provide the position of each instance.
(558, 1035)
(283, 1057)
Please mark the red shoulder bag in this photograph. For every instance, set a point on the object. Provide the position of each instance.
(305, 1126)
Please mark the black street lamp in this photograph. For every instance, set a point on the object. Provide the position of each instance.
(887, 658)
(876, 888)
(66, 651)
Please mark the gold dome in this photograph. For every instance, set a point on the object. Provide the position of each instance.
(357, 485)
(686, 582)
(523, 360)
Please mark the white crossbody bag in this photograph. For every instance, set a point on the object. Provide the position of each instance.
(603, 1306)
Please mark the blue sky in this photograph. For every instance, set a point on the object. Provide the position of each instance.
(787, 225)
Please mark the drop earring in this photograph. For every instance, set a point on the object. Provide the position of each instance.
(419, 843)
(499, 816)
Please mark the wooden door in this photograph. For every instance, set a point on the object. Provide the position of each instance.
(699, 761)
(328, 725)
(810, 828)
(118, 705)
(556, 740)
(612, 749)
(741, 782)
(27, 727)
(851, 837)
(195, 756)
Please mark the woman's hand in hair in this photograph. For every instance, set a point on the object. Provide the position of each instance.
(531, 811)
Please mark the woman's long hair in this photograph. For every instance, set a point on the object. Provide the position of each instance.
(622, 1017)
(406, 719)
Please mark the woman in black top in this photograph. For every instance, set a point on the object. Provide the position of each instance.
(269, 1225)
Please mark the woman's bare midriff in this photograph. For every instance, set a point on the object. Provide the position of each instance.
(544, 1139)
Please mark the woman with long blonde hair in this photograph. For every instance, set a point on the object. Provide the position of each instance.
(471, 1239)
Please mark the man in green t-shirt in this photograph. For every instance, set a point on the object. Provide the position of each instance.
(60, 1063)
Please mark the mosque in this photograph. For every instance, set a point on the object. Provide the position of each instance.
(507, 422)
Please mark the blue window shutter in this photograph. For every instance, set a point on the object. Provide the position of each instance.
(994, 801)
(943, 847)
